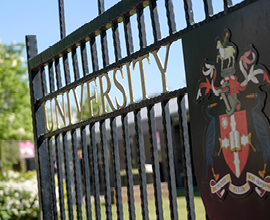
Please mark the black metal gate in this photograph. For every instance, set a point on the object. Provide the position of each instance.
(57, 145)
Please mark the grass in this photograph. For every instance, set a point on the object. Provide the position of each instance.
(181, 202)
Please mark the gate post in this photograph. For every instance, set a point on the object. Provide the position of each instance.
(41, 148)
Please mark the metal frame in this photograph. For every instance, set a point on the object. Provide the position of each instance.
(121, 12)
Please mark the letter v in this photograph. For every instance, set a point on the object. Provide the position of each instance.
(162, 68)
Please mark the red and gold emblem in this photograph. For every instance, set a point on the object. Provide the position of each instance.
(235, 138)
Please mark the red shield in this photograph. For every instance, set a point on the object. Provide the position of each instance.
(234, 140)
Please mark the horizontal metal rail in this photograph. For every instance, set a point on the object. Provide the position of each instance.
(110, 67)
(99, 23)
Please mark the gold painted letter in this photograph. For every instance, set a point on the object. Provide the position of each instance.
(106, 93)
(79, 106)
(130, 85)
(162, 68)
(69, 109)
(90, 98)
(62, 111)
(140, 59)
(46, 117)
(120, 87)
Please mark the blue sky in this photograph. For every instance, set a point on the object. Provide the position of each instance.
(35, 17)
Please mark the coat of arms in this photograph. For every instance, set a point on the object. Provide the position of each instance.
(234, 138)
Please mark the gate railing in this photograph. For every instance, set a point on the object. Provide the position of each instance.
(52, 143)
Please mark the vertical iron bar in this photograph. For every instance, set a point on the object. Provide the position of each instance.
(208, 8)
(62, 35)
(58, 73)
(116, 163)
(66, 68)
(184, 144)
(51, 77)
(103, 37)
(141, 28)
(86, 173)
(106, 173)
(170, 16)
(227, 4)
(95, 170)
(60, 176)
(94, 56)
(41, 149)
(75, 63)
(62, 19)
(154, 19)
(155, 161)
(101, 8)
(140, 151)
(189, 12)
(84, 60)
(104, 48)
(128, 35)
(52, 180)
(116, 42)
(43, 81)
(77, 176)
(170, 158)
(67, 159)
(130, 191)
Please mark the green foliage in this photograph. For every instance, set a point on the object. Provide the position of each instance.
(15, 109)
(28, 175)
(10, 153)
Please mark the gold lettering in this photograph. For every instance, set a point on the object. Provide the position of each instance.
(49, 129)
(140, 59)
(79, 106)
(130, 85)
(62, 111)
(90, 98)
(120, 87)
(61, 108)
(69, 109)
(162, 68)
(106, 93)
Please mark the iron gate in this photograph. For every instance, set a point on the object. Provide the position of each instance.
(57, 145)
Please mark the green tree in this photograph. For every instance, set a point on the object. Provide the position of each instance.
(10, 154)
(15, 109)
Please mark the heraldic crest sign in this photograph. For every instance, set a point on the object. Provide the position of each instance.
(228, 81)
(235, 138)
